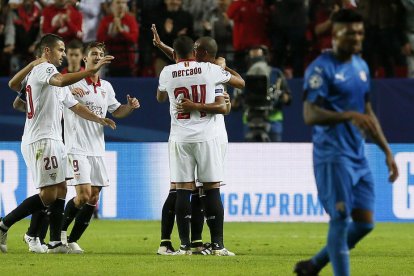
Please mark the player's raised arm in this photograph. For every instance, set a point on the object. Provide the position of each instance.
(236, 80)
(168, 51)
(71, 78)
(15, 82)
(124, 110)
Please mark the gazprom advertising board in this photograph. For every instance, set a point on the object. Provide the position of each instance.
(263, 182)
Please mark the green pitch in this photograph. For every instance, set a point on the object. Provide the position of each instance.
(128, 248)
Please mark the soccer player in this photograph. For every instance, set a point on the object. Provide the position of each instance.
(85, 144)
(336, 103)
(205, 51)
(42, 146)
(193, 141)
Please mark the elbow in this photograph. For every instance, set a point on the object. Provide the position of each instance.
(309, 121)
(13, 86)
(241, 84)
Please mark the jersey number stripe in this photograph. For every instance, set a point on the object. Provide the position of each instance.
(30, 109)
(194, 93)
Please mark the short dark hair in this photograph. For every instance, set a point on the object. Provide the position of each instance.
(347, 16)
(183, 46)
(208, 44)
(75, 44)
(37, 53)
(48, 40)
(94, 44)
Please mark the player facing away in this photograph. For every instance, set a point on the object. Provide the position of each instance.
(193, 142)
(85, 144)
(42, 145)
(337, 105)
(205, 51)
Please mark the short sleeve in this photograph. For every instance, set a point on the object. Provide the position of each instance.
(113, 103)
(315, 83)
(68, 99)
(219, 74)
(45, 71)
(163, 80)
(219, 90)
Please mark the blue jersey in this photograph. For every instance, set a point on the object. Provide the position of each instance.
(338, 86)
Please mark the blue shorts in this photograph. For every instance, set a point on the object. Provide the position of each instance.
(337, 182)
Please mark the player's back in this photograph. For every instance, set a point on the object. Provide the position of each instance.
(44, 107)
(195, 81)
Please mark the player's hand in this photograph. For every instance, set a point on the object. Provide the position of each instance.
(133, 103)
(39, 61)
(78, 92)
(392, 168)
(156, 39)
(105, 60)
(220, 61)
(365, 123)
(107, 122)
(226, 97)
(186, 105)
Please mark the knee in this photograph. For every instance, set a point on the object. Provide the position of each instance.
(93, 200)
(83, 198)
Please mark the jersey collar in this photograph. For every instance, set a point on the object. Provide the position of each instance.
(89, 81)
(186, 59)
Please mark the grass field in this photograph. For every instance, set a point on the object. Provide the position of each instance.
(128, 248)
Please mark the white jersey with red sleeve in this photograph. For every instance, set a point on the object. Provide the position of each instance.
(195, 81)
(86, 137)
(45, 104)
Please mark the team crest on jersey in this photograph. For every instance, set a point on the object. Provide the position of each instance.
(49, 70)
(315, 81)
(53, 176)
(363, 76)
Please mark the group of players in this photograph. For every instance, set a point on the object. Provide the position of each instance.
(336, 103)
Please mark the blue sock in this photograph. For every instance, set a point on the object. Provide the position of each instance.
(356, 231)
(338, 246)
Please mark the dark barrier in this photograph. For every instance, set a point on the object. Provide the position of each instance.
(393, 101)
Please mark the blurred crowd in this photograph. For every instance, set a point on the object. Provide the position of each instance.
(294, 31)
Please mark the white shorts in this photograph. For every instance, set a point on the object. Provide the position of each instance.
(88, 170)
(47, 160)
(185, 158)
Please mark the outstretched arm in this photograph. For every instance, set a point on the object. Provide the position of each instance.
(167, 50)
(126, 109)
(85, 113)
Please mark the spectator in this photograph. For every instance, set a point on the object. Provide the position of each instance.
(220, 27)
(91, 13)
(288, 23)
(384, 35)
(200, 12)
(22, 32)
(4, 58)
(74, 54)
(250, 21)
(120, 33)
(63, 19)
(409, 29)
(171, 22)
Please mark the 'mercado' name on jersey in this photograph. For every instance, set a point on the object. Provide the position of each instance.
(338, 86)
(86, 137)
(195, 81)
(44, 105)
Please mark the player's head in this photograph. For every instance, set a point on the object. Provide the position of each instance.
(205, 49)
(74, 52)
(93, 53)
(347, 31)
(37, 51)
(52, 48)
(183, 47)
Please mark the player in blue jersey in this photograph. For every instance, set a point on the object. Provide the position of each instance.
(336, 103)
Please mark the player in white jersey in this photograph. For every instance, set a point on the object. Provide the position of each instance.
(193, 141)
(205, 51)
(42, 146)
(85, 144)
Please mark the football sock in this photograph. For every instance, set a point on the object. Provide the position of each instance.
(81, 222)
(215, 216)
(168, 215)
(356, 231)
(55, 217)
(29, 206)
(43, 228)
(338, 247)
(70, 213)
(36, 223)
(197, 217)
(183, 215)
